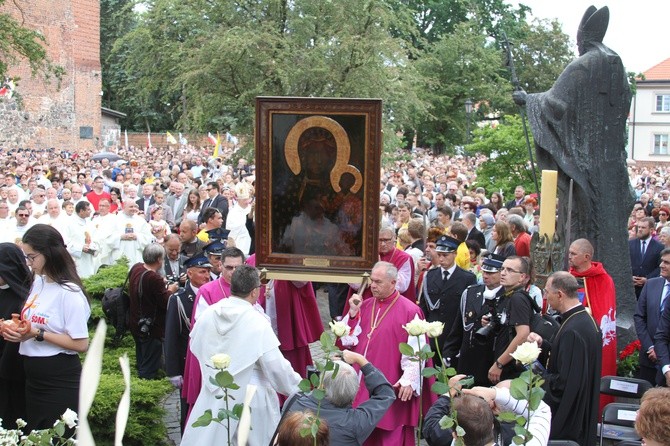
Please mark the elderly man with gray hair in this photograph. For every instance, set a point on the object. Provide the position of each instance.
(149, 297)
(348, 426)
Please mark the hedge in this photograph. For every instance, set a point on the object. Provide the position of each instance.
(145, 422)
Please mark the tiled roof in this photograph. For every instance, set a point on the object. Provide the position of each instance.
(659, 72)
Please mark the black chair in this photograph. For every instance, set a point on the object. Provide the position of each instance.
(618, 421)
(562, 443)
(623, 387)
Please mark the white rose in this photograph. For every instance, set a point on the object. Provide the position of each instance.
(70, 418)
(526, 353)
(416, 326)
(20, 423)
(339, 328)
(220, 361)
(434, 329)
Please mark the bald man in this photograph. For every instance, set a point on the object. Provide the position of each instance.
(597, 293)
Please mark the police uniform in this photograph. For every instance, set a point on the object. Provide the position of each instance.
(440, 296)
(215, 249)
(178, 328)
(475, 355)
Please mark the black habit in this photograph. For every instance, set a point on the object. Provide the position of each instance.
(572, 380)
(18, 279)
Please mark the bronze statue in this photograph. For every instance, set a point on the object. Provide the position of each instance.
(579, 128)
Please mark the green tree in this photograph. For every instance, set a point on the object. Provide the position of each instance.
(508, 162)
(209, 60)
(19, 43)
(116, 20)
(460, 67)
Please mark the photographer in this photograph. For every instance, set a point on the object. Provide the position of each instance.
(512, 318)
(467, 339)
(148, 304)
(349, 426)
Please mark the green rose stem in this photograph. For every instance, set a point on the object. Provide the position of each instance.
(225, 396)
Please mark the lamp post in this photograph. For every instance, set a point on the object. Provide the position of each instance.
(468, 113)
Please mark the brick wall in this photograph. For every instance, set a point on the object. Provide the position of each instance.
(47, 116)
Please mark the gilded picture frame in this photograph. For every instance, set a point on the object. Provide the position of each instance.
(317, 184)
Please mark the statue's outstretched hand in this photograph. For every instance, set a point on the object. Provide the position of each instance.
(519, 97)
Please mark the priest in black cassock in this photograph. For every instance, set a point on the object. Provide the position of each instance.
(572, 378)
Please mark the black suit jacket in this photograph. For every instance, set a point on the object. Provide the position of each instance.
(176, 331)
(662, 338)
(649, 265)
(647, 316)
(220, 202)
(477, 236)
(512, 204)
(140, 203)
(448, 294)
(168, 269)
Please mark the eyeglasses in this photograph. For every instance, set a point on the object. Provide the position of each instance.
(385, 240)
(504, 269)
(31, 257)
(23, 215)
(663, 214)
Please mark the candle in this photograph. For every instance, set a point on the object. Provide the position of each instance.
(548, 204)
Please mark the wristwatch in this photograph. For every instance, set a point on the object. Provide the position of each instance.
(499, 364)
(40, 335)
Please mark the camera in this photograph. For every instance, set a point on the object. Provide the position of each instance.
(171, 279)
(312, 370)
(145, 326)
(485, 334)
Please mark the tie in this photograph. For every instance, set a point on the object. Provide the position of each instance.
(445, 276)
(664, 298)
(644, 243)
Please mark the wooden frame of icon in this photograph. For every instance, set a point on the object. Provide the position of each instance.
(317, 186)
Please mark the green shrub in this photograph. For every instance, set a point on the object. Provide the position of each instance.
(145, 422)
(108, 277)
(96, 314)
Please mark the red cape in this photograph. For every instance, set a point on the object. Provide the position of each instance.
(600, 295)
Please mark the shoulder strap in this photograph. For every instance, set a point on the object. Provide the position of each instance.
(125, 282)
(532, 302)
(139, 288)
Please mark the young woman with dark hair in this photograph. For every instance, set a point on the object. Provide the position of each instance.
(58, 312)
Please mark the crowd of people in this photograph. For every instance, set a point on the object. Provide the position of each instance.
(449, 251)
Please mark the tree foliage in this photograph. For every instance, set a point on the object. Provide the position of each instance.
(198, 65)
(19, 43)
(509, 161)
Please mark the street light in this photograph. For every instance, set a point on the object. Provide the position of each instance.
(468, 113)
